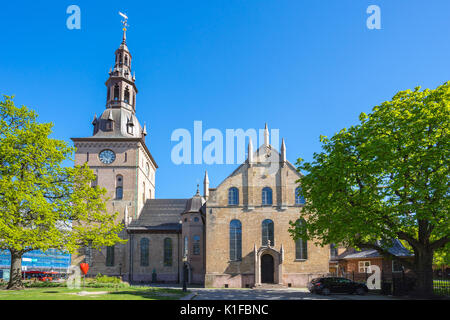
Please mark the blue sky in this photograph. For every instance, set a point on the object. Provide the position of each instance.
(305, 67)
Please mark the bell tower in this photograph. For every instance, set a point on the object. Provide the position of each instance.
(121, 88)
(120, 158)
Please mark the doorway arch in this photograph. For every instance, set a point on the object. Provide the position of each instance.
(267, 269)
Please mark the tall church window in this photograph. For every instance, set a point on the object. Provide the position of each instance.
(235, 240)
(266, 196)
(196, 245)
(267, 232)
(167, 252)
(126, 60)
(233, 196)
(119, 187)
(116, 92)
(108, 93)
(120, 59)
(110, 256)
(301, 245)
(145, 247)
(186, 248)
(127, 95)
(298, 197)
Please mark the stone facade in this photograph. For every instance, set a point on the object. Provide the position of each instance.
(250, 179)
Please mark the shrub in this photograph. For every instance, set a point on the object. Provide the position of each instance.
(99, 278)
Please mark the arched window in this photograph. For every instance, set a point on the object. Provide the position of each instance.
(116, 92)
(266, 196)
(110, 256)
(267, 232)
(235, 240)
(233, 196)
(108, 93)
(186, 245)
(120, 59)
(127, 95)
(196, 245)
(126, 60)
(298, 197)
(301, 245)
(167, 252)
(145, 244)
(119, 187)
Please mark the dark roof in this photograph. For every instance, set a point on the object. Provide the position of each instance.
(194, 204)
(160, 214)
(396, 249)
(168, 227)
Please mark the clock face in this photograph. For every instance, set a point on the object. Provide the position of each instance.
(107, 156)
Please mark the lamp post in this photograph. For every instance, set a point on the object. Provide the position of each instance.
(185, 273)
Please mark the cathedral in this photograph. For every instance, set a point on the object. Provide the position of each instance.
(234, 235)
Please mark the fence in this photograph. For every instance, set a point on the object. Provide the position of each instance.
(400, 283)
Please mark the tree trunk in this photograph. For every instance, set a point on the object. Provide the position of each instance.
(424, 273)
(15, 279)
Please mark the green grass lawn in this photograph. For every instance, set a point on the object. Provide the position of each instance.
(64, 293)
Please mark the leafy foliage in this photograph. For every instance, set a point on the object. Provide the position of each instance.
(42, 204)
(385, 178)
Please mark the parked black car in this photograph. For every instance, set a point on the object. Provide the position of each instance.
(329, 285)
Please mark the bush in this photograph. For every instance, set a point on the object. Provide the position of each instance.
(99, 278)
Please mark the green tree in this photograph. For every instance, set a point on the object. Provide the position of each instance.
(383, 179)
(42, 204)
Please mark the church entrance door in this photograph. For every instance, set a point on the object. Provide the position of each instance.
(267, 269)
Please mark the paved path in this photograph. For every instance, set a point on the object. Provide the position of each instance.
(275, 294)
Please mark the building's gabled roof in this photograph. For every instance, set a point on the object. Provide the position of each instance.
(396, 249)
(160, 213)
(257, 156)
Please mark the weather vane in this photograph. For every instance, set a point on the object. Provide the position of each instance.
(124, 22)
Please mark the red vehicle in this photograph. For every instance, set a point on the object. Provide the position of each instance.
(39, 275)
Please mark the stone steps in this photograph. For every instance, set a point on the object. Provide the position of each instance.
(270, 286)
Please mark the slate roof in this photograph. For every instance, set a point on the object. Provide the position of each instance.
(396, 249)
(122, 117)
(160, 214)
(195, 204)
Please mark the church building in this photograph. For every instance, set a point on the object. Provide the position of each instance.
(233, 235)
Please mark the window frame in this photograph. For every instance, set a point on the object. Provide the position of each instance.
(233, 196)
(362, 265)
(196, 245)
(235, 240)
(269, 234)
(266, 191)
(110, 256)
(299, 199)
(168, 252)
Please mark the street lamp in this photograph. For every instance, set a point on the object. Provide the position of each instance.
(185, 275)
